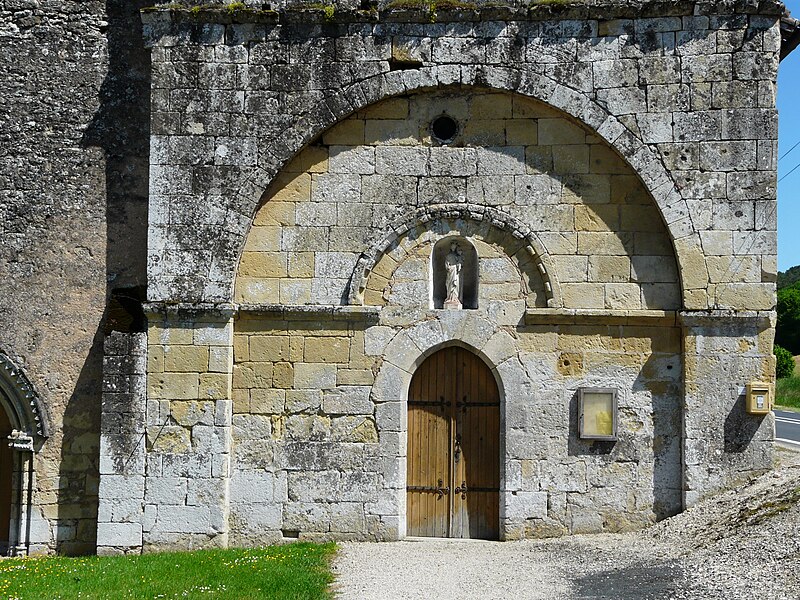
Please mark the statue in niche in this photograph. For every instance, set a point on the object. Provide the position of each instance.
(452, 264)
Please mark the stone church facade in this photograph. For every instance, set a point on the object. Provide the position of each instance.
(387, 257)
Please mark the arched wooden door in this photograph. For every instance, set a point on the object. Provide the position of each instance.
(453, 466)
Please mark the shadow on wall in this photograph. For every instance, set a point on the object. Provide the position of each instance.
(121, 127)
(663, 447)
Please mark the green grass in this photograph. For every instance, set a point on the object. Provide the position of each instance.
(787, 392)
(296, 571)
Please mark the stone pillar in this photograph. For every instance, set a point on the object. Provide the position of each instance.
(723, 351)
(122, 444)
(189, 408)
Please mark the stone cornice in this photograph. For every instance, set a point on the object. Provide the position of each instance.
(416, 11)
(574, 316)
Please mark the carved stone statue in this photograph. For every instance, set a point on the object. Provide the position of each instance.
(452, 263)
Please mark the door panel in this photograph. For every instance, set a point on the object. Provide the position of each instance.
(453, 448)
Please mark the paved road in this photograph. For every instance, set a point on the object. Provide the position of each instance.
(787, 428)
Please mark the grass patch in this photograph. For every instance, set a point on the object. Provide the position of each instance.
(296, 571)
(787, 392)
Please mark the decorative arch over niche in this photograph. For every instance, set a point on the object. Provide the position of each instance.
(644, 160)
(481, 215)
(23, 406)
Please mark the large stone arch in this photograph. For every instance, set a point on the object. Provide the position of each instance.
(639, 156)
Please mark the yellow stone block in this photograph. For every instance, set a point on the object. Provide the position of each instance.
(377, 282)
(269, 348)
(267, 402)
(522, 132)
(692, 264)
(746, 296)
(190, 412)
(275, 213)
(538, 338)
(734, 269)
(257, 291)
(172, 386)
(385, 267)
(241, 348)
(296, 344)
(172, 439)
(327, 350)
(597, 217)
(393, 108)
(301, 264)
(346, 133)
(283, 375)
(583, 295)
(609, 269)
(215, 386)
(354, 377)
(241, 401)
(186, 359)
(571, 159)
(623, 296)
(609, 243)
(264, 264)
(395, 132)
(314, 159)
(374, 298)
(570, 363)
(295, 291)
(289, 187)
(170, 334)
(652, 243)
(264, 239)
(252, 375)
(155, 359)
(695, 299)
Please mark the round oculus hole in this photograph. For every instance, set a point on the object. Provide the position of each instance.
(444, 129)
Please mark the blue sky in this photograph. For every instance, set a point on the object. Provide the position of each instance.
(788, 136)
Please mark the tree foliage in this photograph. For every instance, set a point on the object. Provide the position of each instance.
(784, 362)
(788, 277)
(787, 333)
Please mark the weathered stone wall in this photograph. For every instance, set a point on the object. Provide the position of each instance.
(73, 182)
(190, 364)
(687, 100)
(320, 452)
(122, 444)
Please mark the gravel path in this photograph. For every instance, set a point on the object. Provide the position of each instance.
(741, 545)
(444, 569)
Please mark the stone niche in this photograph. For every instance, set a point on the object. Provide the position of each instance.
(467, 258)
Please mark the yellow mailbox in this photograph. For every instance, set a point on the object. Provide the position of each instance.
(759, 398)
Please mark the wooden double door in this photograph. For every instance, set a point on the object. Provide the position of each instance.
(453, 466)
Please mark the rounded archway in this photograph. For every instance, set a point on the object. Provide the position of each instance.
(453, 463)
